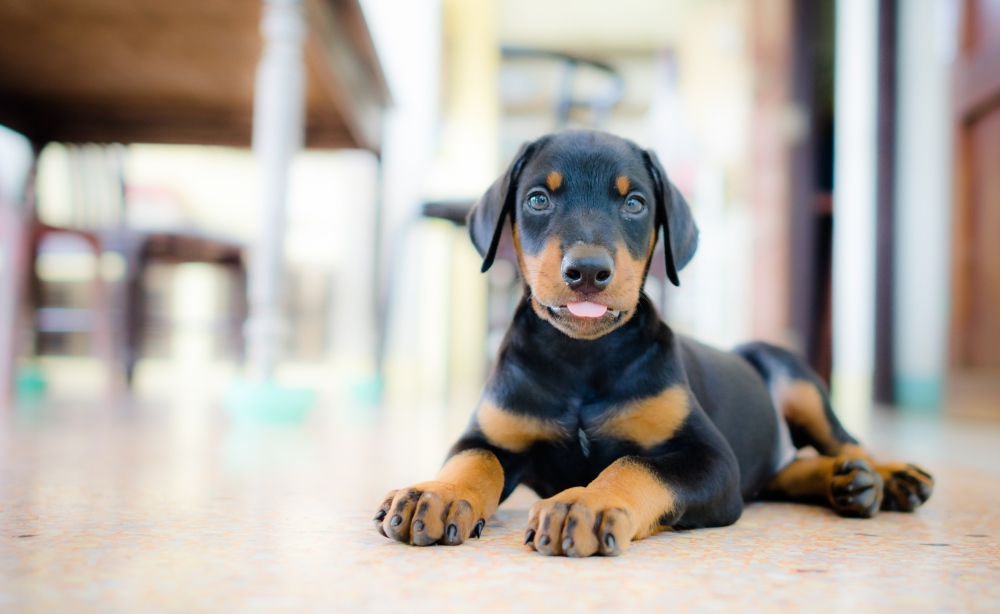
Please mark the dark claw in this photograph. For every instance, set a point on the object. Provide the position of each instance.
(396, 521)
(529, 537)
(477, 531)
(609, 541)
(850, 465)
(567, 544)
(921, 472)
(379, 516)
(452, 532)
(544, 540)
(418, 526)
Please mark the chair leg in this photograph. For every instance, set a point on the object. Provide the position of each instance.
(15, 240)
(237, 311)
(101, 332)
(134, 312)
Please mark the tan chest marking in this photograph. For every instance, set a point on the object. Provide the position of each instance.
(651, 421)
(514, 432)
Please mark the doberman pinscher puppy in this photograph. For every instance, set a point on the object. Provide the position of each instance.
(623, 427)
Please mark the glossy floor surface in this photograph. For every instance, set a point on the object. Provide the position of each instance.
(157, 506)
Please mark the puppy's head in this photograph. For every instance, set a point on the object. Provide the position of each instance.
(586, 209)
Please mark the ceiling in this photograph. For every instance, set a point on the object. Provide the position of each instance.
(176, 72)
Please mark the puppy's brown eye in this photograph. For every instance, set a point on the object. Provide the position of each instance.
(538, 201)
(634, 205)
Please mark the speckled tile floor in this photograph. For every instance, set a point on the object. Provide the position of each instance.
(162, 507)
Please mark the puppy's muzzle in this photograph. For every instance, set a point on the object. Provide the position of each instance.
(587, 269)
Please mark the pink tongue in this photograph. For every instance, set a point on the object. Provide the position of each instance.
(586, 309)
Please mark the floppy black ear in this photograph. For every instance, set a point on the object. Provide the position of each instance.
(680, 234)
(488, 214)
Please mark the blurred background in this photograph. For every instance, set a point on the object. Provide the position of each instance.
(238, 302)
(844, 179)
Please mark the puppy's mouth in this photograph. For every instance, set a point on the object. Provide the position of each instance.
(585, 310)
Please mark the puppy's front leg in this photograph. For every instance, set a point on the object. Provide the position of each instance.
(449, 509)
(485, 465)
(635, 497)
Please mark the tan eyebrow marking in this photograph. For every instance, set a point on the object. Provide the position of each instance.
(554, 180)
(623, 185)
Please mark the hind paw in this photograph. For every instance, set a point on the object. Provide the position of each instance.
(907, 487)
(855, 488)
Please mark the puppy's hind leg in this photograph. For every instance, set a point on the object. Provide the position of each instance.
(840, 480)
(848, 485)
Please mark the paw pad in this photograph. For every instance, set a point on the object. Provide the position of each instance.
(907, 489)
(855, 488)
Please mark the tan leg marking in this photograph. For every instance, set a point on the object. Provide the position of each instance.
(649, 421)
(849, 485)
(841, 478)
(853, 450)
(447, 509)
(514, 432)
(624, 503)
(802, 405)
(623, 184)
(803, 479)
(907, 486)
(553, 180)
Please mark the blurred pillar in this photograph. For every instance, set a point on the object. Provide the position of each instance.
(923, 201)
(467, 166)
(277, 134)
(408, 36)
(882, 384)
(17, 163)
(774, 128)
(12, 240)
(807, 280)
(856, 104)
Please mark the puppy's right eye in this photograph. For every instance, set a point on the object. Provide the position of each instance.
(538, 201)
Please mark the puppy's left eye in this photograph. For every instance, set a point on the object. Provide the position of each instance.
(634, 205)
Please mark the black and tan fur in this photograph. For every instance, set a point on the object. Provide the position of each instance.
(621, 426)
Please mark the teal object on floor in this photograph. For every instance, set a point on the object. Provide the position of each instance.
(366, 391)
(919, 393)
(30, 382)
(267, 401)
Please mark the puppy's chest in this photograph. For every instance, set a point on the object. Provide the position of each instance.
(585, 443)
(582, 424)
(588, 427)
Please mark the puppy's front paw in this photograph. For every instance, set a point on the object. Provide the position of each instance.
(429, 513)
(580, 522)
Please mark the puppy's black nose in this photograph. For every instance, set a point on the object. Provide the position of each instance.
(587, 269)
